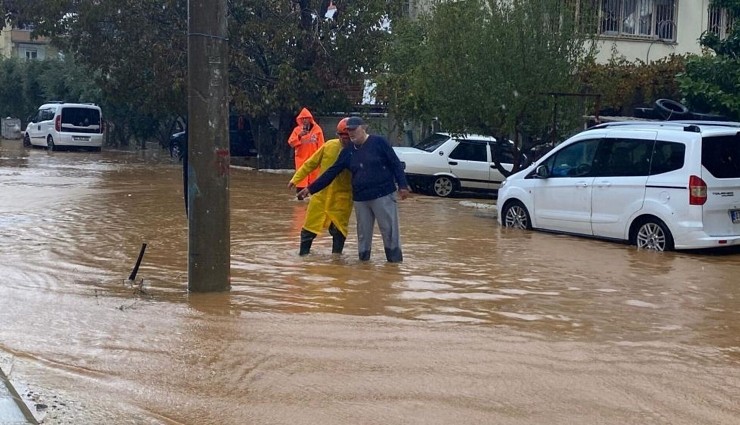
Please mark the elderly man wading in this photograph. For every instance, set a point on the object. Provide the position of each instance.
(376, 174)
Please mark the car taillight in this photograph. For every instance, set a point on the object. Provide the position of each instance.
(102, 126)
(58, 123)
(697, 191)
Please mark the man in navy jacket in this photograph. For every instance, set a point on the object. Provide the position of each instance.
(377, 174)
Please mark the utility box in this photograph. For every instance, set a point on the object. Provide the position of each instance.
(11, 128)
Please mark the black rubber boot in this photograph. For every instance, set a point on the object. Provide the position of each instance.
(338, 239)
(365, 256)
(394, 255)
(306, 241)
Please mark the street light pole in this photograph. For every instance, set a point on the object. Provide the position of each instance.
(208, 147)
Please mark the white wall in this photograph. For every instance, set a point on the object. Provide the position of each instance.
(690, 24)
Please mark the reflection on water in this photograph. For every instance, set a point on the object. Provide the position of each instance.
(478, 325)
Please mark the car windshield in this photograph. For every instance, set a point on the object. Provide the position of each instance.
(431, 143)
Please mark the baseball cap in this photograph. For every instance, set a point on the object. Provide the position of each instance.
(354, 122)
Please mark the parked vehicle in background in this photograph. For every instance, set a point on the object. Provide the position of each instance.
(241, 141)
(65, 124)
(443, 164)
(657, 185)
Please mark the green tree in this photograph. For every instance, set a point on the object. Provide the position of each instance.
(25, 85)
(284, 55)
(487, 66)
(711, 82)
(287, 55)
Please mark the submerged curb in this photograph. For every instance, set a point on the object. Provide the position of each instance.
(12, 409)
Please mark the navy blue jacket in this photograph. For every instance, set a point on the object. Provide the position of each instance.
(375, 169)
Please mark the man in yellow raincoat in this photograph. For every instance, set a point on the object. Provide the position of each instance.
(332, 207)
(306, 138)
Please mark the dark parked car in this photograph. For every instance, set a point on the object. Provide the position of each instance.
(241, 142)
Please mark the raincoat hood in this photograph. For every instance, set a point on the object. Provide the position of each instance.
(305, 113)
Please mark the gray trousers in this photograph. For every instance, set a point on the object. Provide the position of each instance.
(385, 211)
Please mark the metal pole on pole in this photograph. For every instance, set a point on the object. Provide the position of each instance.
(208, 147)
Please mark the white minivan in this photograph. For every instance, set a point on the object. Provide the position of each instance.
(66, 124)
(658, 185)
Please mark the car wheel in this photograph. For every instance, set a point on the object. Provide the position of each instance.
(50, 143)
(653, 234)
(26, 141)
(443, 186)
(516, 216)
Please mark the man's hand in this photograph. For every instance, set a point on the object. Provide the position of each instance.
(303, 193)
(403, 193)
(291, 185)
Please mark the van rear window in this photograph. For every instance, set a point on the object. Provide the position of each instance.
(81, 120)
(721, 156)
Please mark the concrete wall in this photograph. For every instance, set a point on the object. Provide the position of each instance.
(691, 22)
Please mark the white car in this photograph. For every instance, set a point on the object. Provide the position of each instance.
(443, 164)
(658, 185)
(65, 124)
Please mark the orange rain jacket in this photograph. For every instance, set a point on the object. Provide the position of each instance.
(306, 145)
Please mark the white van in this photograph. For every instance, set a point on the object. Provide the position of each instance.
(66, 124)
(658, 185)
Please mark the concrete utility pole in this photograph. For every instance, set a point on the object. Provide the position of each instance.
(208, 147)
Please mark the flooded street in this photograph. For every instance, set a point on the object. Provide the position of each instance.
(478, 325)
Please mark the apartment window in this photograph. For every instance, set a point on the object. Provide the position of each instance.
(651, 19)
(32, 54)
(720, 21)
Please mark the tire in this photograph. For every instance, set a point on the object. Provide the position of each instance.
(516, 216)
(26, 141)
(444, 186)
(653, 234)
(50, 143)
(671, 110)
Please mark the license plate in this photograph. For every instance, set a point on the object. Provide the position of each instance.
(81, 138)
(735, 216)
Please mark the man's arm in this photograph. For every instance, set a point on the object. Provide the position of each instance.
(295, 137)
(308, 166)
(396, 166)
(329, 175)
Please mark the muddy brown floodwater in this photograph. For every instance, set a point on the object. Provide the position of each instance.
(478, 325)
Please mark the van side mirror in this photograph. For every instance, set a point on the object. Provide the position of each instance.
(542, 172)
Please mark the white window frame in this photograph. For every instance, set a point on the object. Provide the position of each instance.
(639, 19)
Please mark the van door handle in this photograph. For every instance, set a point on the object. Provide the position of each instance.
(582, 184)
(605, 184)
(452, 162)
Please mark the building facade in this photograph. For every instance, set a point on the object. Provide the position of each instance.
(644, 30)
(18, 43)
(652, 29)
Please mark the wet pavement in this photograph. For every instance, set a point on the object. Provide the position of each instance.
(478, 325)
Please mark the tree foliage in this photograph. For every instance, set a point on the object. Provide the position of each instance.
(25, 85)
(711, 82)
(286, 55)
(624, 85)
(283, 55)
(488, 65)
